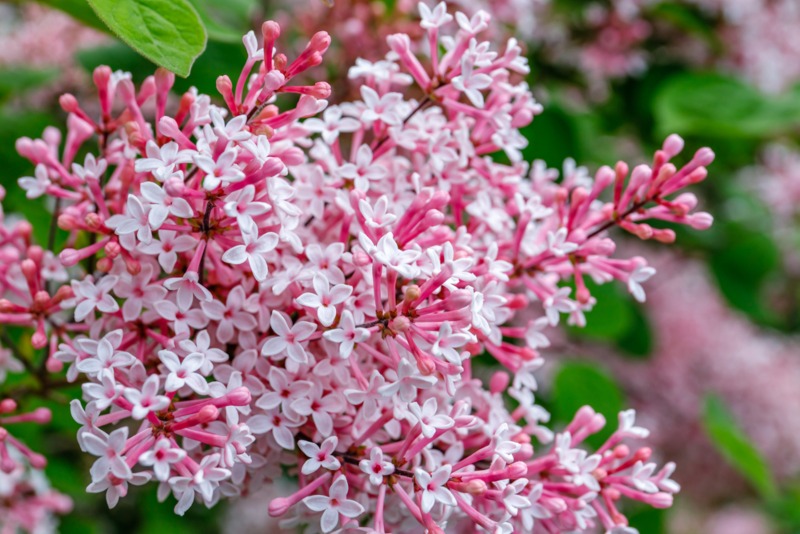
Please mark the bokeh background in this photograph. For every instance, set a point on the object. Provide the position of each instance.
(712, 361)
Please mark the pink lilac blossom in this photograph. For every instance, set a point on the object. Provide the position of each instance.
(335, 323)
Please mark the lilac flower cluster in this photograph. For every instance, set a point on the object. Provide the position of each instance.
(260, 289)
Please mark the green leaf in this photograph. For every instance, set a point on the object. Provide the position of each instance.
(578, 384)
(735, 447)
(14, 125)
(19, 79)
(167, 32)
(610, 318)
(225, 20)
(616, 319)
(79, 10)
(553, 137)
(711, 104)
(742, 263)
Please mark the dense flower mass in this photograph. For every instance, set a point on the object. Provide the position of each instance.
(281, 286)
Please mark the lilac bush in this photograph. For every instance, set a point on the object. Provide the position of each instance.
(279, 287)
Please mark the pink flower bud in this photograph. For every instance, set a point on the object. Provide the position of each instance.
(499, 382)
(279, 506)
(475, 487)
(207, 414)
(700, 220)
(7, 406)
(320, 42)
(112, 249)
(67, 222)
(673, 145)
(37, 461)
(239, 397)
(322, 90)
(517, 470)
(68, 103)
(54, 366)
(458, 299)
(704, 157)
(41, 415)
(271, 31)
(69, 257)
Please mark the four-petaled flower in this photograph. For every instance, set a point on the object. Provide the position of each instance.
(334, 504)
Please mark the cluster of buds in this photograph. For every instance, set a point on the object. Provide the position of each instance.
(254, 290)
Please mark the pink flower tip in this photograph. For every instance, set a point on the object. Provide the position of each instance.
(271, 30)
(499, 382)
(476, 487)
(8, 405)
(68, 102)
(69, 257)
(39, 340)
(37, 461)
(207, 414)
(279, 506)
(320, 42)
(240, 396)
(459, 299)
(701, 220)
(41, 415)
(224, 84)
(322, 90)
(673, 145)
(54, 366)
(704, 157)
(101, 75)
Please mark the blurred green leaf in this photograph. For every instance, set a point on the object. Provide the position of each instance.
(225, 20)
(610, 318)
(79, 10)
(735, 446)
(17, 80)
(715, 105)
(647, 519)
(167, 32)
(553, 137)
(637, 341)
(578, 384)
(742, 261)
(14, 125)
(615, 319)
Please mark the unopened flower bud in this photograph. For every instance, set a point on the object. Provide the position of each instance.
(93, 221)
(112, 249)
(67, 222)
(475, 487)
(53, 365)
(7, 406)
(69, 257)
(271, 31)
(673, 145)
(499, 382)
(105, 265)
(68, 103)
